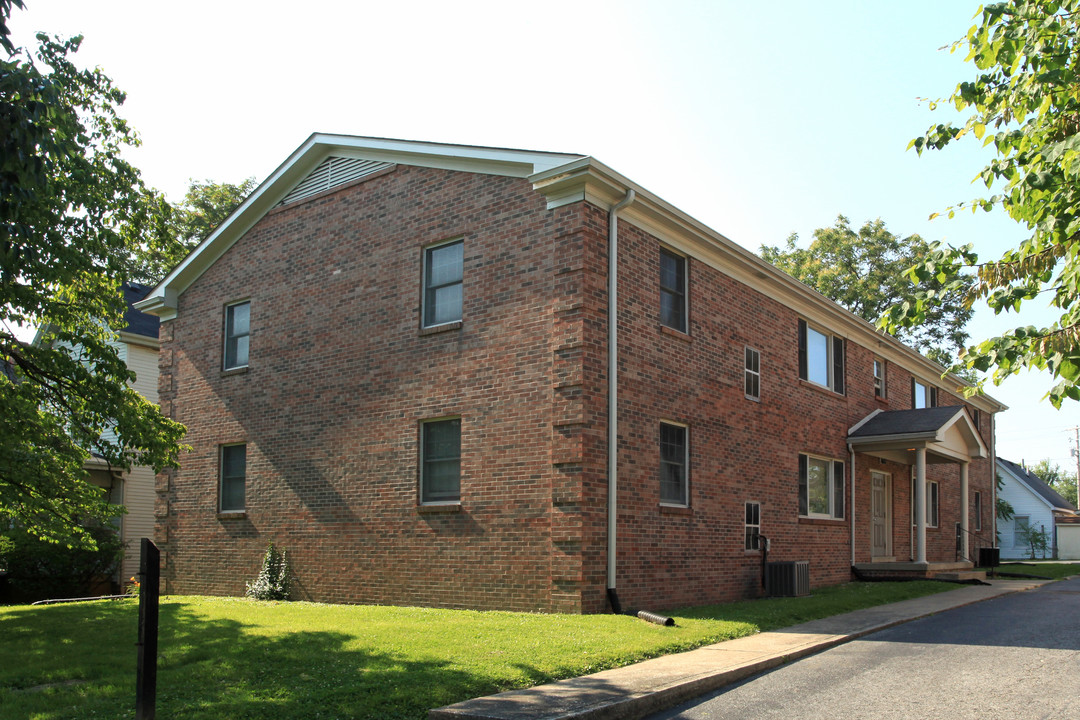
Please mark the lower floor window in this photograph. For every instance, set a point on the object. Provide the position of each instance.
(233, 469)
(978, 511)
(821, 487)
(753, 526)
(931, 502)
(673, 464)
(440, 461)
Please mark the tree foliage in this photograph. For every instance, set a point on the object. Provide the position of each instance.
(73, 214)
(204, 207)
(1061, 481)
(1023, 100)
(865, 271)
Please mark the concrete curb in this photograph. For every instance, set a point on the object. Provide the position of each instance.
(648, 687)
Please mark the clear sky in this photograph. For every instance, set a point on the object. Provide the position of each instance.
(759, 119)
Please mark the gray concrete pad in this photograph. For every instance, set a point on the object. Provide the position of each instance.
(638, 690)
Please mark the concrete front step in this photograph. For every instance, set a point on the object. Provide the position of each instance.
(962, 575)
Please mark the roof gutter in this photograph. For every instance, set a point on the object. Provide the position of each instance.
(613, 392)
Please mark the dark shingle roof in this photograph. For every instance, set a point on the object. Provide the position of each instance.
(1037, 485)
(907, 422)
(138, 323)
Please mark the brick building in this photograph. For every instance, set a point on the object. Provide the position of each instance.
(393, 361)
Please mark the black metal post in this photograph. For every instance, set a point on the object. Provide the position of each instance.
(146, 673)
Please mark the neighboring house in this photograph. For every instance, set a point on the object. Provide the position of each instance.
(1035, 505)
(137, 346)
(393, 361)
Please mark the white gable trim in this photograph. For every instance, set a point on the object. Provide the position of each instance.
(1038, 496)
(162, 300)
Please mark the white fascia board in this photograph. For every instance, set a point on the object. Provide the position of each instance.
(162, 300)
(590, 180)
(142, 340)
(969, 430)
(868, 418)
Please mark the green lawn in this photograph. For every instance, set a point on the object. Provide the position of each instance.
(236, 658)
(1040, 567)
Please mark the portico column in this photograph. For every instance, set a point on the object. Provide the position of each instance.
(964, 509)
(920, 505)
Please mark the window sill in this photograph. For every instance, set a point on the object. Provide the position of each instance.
(820, 388)
(677, 334)
(232, 515)
(823, 521)
(433, 509)
(676, 509)
(234, 371)
(445, 327)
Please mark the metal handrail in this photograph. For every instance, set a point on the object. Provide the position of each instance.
(975, 541)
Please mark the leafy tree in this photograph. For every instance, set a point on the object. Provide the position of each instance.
(1063, 483)
(865, 271)
(1023, 99)
(73, 214)
(204, 207)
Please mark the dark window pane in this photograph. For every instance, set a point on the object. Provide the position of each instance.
(233, 476)
(443, 273)
(441, 472)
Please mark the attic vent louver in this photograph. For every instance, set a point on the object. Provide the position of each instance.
(333, 171)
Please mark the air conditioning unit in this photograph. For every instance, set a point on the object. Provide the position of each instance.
(788, 579)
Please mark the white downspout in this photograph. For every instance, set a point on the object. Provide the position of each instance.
(613, 385)
(852, 505)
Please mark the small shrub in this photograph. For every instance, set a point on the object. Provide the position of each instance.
(273, 580)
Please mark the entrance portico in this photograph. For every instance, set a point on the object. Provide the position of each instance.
(919, 438)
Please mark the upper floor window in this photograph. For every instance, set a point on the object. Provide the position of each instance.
(821, 358)
(879, 378)
(923, 395)
(233, 477)
(673, 290)
(821, 487)
(674, 460)
(237, 334)
(440, 461)
(753, 374)
(443, 273)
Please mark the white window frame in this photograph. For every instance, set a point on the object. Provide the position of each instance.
(933, 501)
(928, 394)
(835, 377)
(879, 378)
(752, 373)
(230, 334)
(1018, 540)
(681, 293)
(445, 499)
(222, 479)
(832, 481)
(684, 465)
(428, 304)
(752, 525)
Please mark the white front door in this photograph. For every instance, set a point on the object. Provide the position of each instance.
(880, 515)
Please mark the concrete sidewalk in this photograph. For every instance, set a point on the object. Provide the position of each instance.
(639, 690)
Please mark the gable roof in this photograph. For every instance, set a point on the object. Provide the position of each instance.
(563, 178)
(138, 322)
(946, 432)
(1035, 484)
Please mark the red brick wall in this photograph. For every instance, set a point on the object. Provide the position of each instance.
(340, 376)
(742, 450)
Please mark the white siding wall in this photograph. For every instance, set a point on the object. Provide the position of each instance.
(139, 521)
(144, 362)
(1024, 502)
